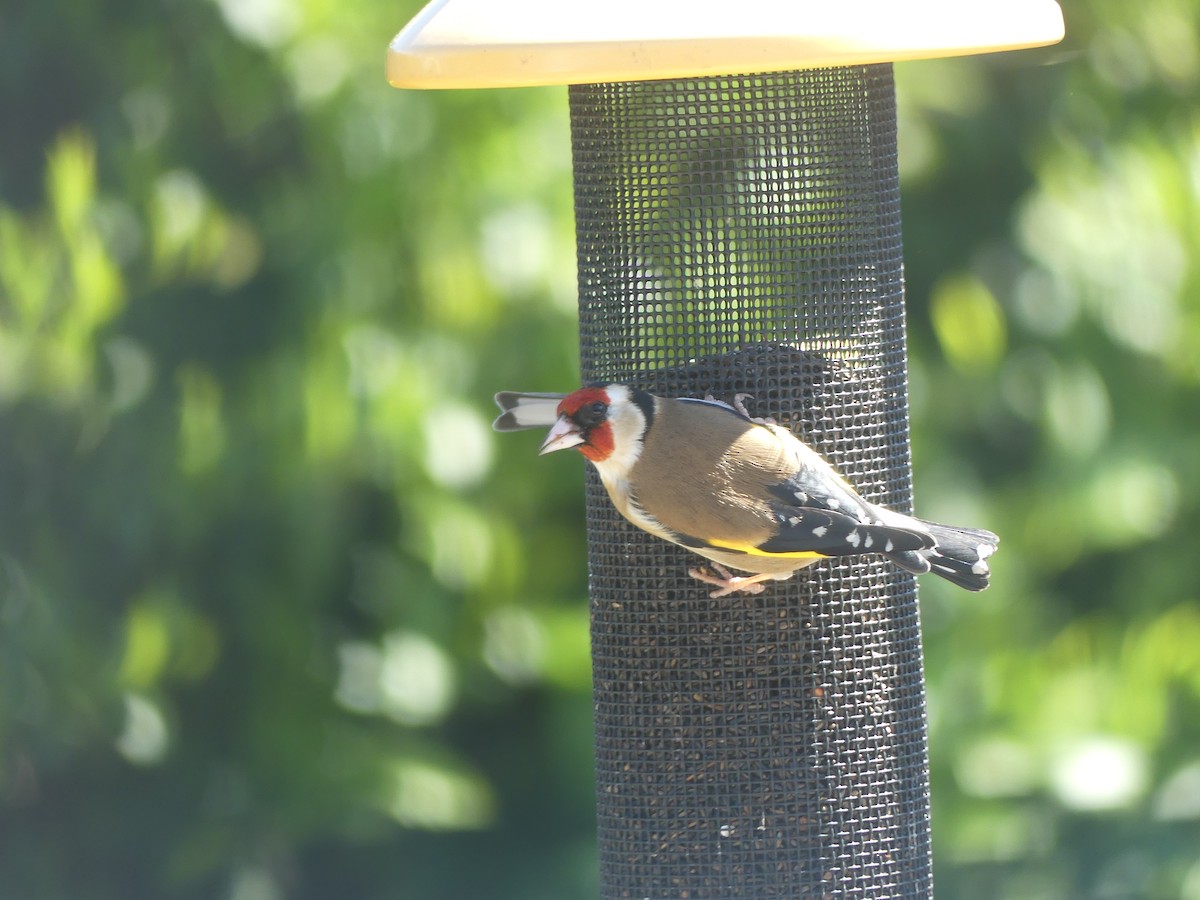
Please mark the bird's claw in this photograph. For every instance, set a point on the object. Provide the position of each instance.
(739, 406)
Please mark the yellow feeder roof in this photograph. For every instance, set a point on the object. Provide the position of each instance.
(489, 43)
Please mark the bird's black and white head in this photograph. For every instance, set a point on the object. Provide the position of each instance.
(606, 423)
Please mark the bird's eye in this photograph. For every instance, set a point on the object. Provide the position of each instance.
(592, 414)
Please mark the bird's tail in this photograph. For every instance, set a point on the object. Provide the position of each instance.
(959, 555)
(525, 410)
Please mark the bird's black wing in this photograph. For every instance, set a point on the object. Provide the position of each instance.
(815, 515)
(829, 533)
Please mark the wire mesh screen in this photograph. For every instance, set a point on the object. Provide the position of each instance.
(736, 234)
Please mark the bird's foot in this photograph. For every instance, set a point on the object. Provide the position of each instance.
(728, 583)
(739, 405)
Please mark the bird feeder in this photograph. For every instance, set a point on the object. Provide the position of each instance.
(738, 230)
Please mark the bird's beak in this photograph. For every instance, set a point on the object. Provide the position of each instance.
(563, 435)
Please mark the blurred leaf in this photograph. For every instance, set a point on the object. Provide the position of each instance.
(969, 324)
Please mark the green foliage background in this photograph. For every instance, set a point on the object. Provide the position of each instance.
(280, 617)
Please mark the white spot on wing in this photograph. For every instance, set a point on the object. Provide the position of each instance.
(820, 530)
(889, 546)
(833, 503)
(868, 541)
(853, 538)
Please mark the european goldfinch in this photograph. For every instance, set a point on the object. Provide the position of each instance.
(741, 492)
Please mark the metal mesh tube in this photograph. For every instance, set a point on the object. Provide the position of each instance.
(742, 233)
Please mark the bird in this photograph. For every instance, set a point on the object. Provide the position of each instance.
(742, 492)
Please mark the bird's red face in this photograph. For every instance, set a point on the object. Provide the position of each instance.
(582, 423)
